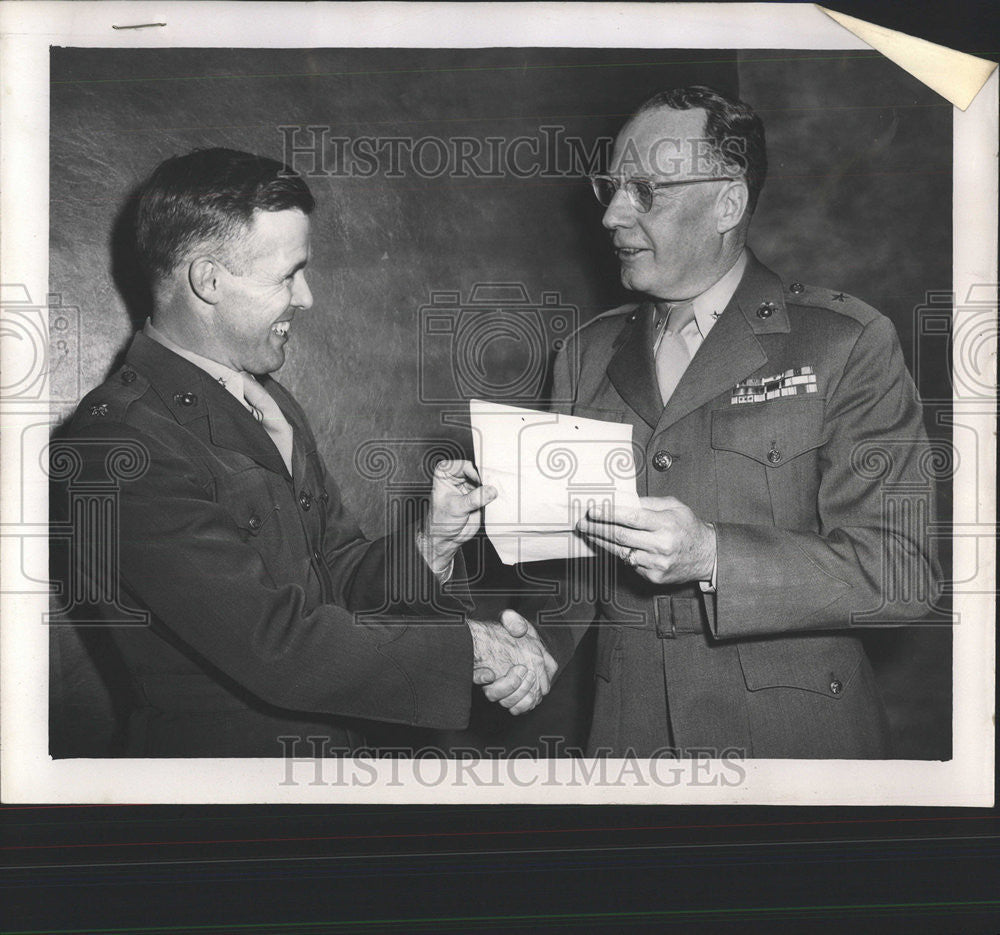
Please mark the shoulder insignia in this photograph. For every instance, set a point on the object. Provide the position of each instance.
(623, 314)
(622, 311)
(797, 293)
(109, 401)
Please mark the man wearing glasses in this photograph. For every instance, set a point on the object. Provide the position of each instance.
(761, 544)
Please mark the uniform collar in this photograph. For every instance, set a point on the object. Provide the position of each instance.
(231, 379)
(191, 394)
(710, 305)
(761, 298)
(729, 354)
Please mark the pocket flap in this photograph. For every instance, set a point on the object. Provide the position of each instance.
(822, 664)
(772, 432)
(248, 498)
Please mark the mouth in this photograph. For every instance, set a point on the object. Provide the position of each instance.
(629, 253)
(280, 328)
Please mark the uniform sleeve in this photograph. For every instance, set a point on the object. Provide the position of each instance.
(182, 557)
(872, 560)
(387, 576)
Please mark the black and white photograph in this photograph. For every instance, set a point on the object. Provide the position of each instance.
(568, 414)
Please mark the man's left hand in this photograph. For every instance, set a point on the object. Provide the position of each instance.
(456, 499)
(512, 645)
(662, 540)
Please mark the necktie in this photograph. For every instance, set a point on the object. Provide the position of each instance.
(267, 412)
(672, 354)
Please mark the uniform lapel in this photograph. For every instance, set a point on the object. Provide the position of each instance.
(631, 369)
(298, 457)
(234, 428)
(731, 352)
(192, 395)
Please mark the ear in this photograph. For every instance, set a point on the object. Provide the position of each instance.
(731, 205)
(204, 276)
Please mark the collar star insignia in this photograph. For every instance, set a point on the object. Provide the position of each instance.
(716, 315)
(222, 380)
(839, 297)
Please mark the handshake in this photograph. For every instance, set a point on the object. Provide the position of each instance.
(509, 659)
(513, 648)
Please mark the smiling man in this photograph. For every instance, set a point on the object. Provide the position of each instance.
(771, 418)
(270, 615)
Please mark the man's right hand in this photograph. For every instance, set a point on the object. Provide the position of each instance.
(511, 662)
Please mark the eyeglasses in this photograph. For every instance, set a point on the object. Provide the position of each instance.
(640, 191)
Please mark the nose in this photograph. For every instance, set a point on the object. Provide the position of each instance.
(620, 213)
(301, 293)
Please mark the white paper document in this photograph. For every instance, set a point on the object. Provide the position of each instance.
(547, 469)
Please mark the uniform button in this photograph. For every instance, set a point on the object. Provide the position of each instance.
(766, 310)
(774, 456)
(797, 288)
(254, 522)
(128, 376)
(662, 460)
(305, 499)
(836, 686)
(185, 399)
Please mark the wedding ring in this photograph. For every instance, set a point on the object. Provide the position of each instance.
(630, 558)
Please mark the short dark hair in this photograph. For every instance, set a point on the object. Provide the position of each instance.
(733, 128)
(209, 195)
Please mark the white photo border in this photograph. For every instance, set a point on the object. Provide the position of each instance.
(29, 774)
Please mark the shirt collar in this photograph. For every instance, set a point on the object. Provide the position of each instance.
(713, 301)
(231, 379)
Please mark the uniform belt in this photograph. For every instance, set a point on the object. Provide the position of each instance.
(675, 614)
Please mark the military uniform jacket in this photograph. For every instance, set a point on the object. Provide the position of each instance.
(790, 424)
(270, 614)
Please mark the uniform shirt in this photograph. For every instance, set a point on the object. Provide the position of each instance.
(707, 308)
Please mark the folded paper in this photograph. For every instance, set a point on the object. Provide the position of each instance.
(548, 469)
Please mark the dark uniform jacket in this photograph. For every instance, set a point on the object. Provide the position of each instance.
(790, 430)
(255, 582)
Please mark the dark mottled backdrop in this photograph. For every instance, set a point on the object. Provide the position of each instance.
(859, 199)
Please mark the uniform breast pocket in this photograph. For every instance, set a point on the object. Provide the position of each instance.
(766, 461)
(254, 504)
